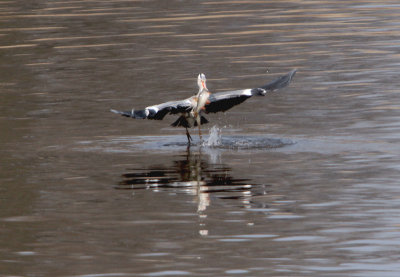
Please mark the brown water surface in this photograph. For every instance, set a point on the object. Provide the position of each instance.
(303, 182)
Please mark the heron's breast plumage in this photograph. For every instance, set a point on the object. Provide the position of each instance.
(202, 100)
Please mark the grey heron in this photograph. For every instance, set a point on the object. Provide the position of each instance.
(191, 109)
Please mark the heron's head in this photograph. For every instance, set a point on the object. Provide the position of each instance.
(201, 82)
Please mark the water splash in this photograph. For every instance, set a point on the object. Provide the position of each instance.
(214, 139)
(211, 143)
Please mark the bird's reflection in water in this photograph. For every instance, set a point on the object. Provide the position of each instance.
(191, 173)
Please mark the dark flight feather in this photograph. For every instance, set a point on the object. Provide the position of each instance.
(223, 101)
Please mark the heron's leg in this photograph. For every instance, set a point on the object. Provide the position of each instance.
(198, 119)
(200, 133)
(188, 136)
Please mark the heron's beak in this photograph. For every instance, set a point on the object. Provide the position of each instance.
(203, 84)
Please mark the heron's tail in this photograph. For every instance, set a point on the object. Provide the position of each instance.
(203, 120)
(134, 114)
(183, 122)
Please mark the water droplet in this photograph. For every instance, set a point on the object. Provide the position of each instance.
(214, 139)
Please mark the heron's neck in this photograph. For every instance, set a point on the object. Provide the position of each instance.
(201, 90)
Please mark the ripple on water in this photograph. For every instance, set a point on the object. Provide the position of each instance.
(214, 140)
(252, 142)
(168, 273)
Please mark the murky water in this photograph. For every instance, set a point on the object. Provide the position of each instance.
(303, 182)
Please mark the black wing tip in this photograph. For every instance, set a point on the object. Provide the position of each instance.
(280, 82)
(123, 113)
(286, 79)
(115, 111)
(292, 73)
(134, 114)
(289, 77)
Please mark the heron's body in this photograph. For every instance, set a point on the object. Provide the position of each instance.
(192, 108)
(202, 99)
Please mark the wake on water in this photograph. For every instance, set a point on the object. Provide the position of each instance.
(216, 140)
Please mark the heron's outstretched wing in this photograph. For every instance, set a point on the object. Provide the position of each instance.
(158, 112)
(223, 101)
